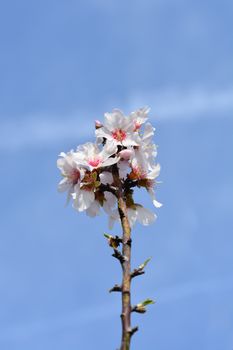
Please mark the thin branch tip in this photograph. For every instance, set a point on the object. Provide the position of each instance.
(116, 288)
(133, 330)
(117, 254)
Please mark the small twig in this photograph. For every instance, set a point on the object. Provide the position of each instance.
(116, 288)
(137, 272)
(138, 309)
(107, 188)
(140, 270)
(118, 256)
(113, 241)
(133, 330)
(130, 184)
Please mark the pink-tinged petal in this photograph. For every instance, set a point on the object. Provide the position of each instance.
(145, 216)
(106, 178)
(98, 124)
(94, 163)
(126, 154)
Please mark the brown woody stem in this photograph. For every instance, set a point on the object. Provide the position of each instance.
(127, 331)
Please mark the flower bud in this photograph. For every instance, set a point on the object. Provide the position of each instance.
(126, 154)
(98, 124)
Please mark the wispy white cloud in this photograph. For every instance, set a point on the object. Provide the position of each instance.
(186, 104)
(45, 130)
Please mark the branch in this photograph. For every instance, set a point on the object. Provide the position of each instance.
(137, 272)
(108, 188)
(116, 288)
(141, 307)
(133, 330)
(140, 270)
(113, 241)
(119, 256)
(130, 184)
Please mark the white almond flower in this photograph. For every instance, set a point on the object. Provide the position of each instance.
(91, 157)
(119, 129)
(137, 213)
(141, 170)
(83, 199)
(139, 117)
(70, 171)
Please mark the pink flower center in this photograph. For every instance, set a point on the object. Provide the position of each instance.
(94, 162)
(75, 176)
(137, 126)
(139, 173)
(119, 135)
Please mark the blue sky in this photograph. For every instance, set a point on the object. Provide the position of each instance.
(63, 64)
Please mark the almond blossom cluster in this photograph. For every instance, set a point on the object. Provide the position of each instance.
(124, 143)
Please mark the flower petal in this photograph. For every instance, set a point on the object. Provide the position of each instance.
(106, 178)
(83, 199)
(145, 216)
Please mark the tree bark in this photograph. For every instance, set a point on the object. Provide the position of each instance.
(126, 281)
(125, 263)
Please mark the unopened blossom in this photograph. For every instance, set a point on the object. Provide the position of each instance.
(126, 154)
(98, 124)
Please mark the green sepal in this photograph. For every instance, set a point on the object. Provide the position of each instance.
(143, 265)
(145, 303)
(141, 307)
(94, 175)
